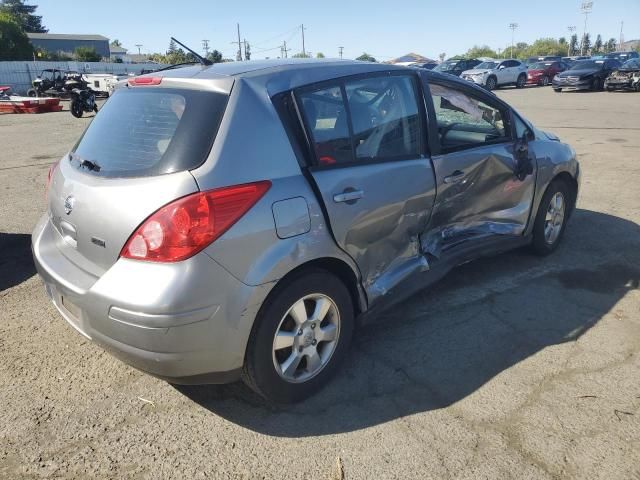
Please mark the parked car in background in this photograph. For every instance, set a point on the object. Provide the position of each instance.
(455, 66)
(548, 58)
(623, 56)
(627, 77)
(585, 75)
(493, 74)
(541, 73)
(172, 243)
(569, 61)
(426, 66)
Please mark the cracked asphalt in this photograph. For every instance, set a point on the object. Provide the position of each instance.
(512, 367)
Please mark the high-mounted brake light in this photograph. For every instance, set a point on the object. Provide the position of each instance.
(184, 227)
(135, 81)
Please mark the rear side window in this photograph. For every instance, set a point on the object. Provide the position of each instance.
(362, 120)
(150, 131)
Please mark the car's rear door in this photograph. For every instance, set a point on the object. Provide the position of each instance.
(368, 151)
(479, 194)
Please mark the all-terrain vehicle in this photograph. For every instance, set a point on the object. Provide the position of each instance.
(55, 83)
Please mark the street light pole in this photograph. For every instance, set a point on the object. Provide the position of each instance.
(586, 9)
(513, 27)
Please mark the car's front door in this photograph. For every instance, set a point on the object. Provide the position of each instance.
(367, 140)
(480, 191)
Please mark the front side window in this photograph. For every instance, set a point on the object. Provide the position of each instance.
(369, 119)
(466, 121)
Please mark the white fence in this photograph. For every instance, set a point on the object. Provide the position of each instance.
(19, 75)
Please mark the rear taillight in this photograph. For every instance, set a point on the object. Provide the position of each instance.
(184, 227)
(52, 170)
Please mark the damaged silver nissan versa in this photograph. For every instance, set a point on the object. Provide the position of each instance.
(237, 220)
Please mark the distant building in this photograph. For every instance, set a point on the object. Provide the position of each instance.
(410, 58)
(119, 54)
(63, 43)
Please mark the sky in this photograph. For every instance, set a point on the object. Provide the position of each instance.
(384, 29)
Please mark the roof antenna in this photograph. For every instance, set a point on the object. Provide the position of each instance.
(201, 59)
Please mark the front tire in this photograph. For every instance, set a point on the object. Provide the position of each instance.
(492, 83)
(300, 337)
(551, 218)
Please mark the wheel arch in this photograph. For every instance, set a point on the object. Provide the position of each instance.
(571, 183)
(340, 269)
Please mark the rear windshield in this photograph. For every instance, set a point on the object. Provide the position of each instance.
(143, 131)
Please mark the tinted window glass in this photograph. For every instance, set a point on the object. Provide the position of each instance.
(464, 120)
(151, 131)
(385, 119)
(326, 118)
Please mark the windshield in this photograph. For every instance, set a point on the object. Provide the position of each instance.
(633, 63)
(587, 64)
(446, 66)
(540, 65)
(486, 66)
(143, 132)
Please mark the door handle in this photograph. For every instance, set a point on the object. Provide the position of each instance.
(454, 177)
(348, 196)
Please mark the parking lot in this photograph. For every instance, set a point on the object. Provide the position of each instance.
(514, 367)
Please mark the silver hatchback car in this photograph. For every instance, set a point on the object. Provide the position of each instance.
(238, 220)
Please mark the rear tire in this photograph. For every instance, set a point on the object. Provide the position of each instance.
(521, 81)
(551, 218)
(293, 349)
(545, 81)
(596, 85)
(76, 109)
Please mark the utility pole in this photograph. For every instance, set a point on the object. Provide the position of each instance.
(304, 52)
(138, 45)
(513, 27)
(205, 47)
(341, 48)
(621, 36)
(239, 54)
(571, 29)
(284, 50)
(586, 10)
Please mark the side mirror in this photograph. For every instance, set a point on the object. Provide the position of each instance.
(523, 165)
(501, 67)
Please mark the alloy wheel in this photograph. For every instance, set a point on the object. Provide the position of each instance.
(554, 218)
(306, 338)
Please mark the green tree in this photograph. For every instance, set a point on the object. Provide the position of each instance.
(610, 46)
(86, 54)
(23, 15)
(116, 43)
(586, 44)
(544, 47)
(597, 46)
(14, 44)
(215, 56)
(365, 57)
(480, 51)
(319, 55)
(573, 45)
(562, 41)
(301, 55)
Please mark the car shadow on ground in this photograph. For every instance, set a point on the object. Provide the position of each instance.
(445, 343)
(16, 262)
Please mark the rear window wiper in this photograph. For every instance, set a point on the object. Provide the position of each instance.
(90, 165)
(93, 166)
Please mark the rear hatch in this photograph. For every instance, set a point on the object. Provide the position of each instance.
(133, 158)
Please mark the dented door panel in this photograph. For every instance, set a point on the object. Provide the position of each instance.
(381, 229)
(485, 197)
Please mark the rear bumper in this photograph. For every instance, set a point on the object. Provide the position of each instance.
(185, 322)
